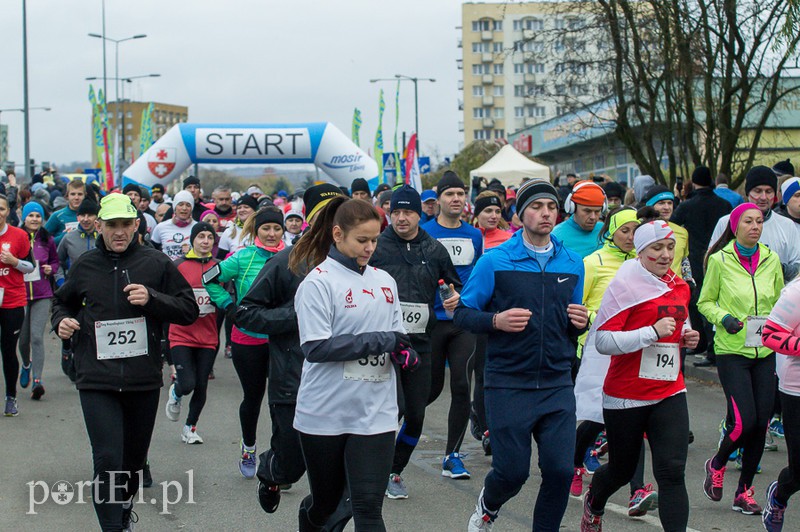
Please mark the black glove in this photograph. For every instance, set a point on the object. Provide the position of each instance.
(401, 341)
(731, 324)
(407, 359)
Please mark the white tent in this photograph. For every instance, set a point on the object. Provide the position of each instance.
(510, 167)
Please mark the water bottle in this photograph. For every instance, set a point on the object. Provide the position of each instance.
(445, 293)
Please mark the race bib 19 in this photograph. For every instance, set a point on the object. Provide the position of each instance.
(372, 368)
(461, 250)
(753, 327)
(123, 338)
(203, 301)
(415, 317)
(661, 362)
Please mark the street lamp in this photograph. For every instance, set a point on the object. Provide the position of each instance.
(116, 65)
(403, 77)
(27, 143)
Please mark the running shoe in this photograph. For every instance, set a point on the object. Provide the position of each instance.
(772, 516)
(269, 497)
(396, 488)
(715, 479)
(211, 376)
(173, 408)
(247, 463)
(25, 376)
(601, 445)
(228, 353)
(481, 520)
(37, 391)
(486, 443)
(739, 455)
(576, 488)
(745, 503)
(776, 427)
(11, 407)
(453, 467)
(147, 477)
(190, 436)
(590, 522)
(129, 517)
(642, 501)
(769, 442)
(590, 461)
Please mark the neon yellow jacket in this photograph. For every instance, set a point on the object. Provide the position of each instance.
(681, 246)
(730, 289)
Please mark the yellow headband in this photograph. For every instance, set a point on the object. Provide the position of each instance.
(621, 218)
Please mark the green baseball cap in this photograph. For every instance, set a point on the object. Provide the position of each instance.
(115, 206)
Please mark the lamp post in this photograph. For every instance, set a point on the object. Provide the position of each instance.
(25, 111)
(116, 77)
(403, 77)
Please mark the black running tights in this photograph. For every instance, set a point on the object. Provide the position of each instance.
(252, 366)
(10, 324)
(193, 365)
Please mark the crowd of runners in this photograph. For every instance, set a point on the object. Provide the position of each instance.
(564, 312)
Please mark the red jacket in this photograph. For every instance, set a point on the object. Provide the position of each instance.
(202, 333)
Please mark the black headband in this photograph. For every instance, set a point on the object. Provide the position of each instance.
(269, 216)
(488, 201)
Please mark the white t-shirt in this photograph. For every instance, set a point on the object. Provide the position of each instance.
(779, 234)
(174, 240)
(352, 397)
(786, 313)
(234, 239)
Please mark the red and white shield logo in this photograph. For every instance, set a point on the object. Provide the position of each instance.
(387, 293)
(161, 162)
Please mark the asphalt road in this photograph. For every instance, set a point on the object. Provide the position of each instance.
(47, 443)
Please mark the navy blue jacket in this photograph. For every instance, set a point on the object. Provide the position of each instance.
(509, 277)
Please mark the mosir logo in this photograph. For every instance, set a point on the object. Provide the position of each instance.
(161, 162)
(339, 162)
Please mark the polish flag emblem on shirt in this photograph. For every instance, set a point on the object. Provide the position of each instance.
(161, 162)
(387, 292)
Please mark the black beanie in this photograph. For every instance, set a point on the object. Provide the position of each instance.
(760, 175)
(784, 168)
(317, 194)
(614, 190)
(449, 180)
(532, 190)
(406, 197)
(132, 187)
(487, 201)
(270, 215)
(496, 186)
(250, 201)
(359, 184)
(88, 206)
(702, 176)
(191, 180)
(198, 228)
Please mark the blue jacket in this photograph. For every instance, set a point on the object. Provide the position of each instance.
(509, 277)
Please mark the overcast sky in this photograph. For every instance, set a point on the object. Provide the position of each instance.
(248, 61)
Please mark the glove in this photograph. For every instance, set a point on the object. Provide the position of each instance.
(407, 359)
(401, 341)
(731, 324)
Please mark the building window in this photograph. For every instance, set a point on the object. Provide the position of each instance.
(519, 69)
(477, 90)
(128, 126)
(497, 90)
(480, 69)
(576, 23)
(482, 134)
(498, 69)
(478, 112)
(519, 112)
(536, 111)
(128, 138)
(561, 24)
(559, 46)
(129, 115)
(497, 25)
(499, 112)
(537, 68)
(519, 91)
(497, 47)
(561, 90)
(562, 110)
(499, 134)
(482, 25)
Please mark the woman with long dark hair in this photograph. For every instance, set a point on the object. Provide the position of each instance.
(352, 336)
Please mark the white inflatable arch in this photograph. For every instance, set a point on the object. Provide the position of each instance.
(320, 143)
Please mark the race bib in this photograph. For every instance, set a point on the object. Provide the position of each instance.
(415, 317)
(70, 226)
(752, 331)
(123, 338)
(2, 293)
(660, 362)
(372, 368)
(461, 250)
(203, 301)
(35, 275)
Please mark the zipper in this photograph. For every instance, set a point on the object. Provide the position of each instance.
(115, 300)
(753, 282)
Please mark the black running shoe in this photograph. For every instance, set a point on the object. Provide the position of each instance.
(269, 497)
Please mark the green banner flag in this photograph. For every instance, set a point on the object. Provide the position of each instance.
(146, 138)
(356, 126)
(379, 138)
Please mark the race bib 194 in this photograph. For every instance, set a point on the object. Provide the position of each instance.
(123, 338)
(661, 362)
(415, 317)
(372, 368)
(461, 250)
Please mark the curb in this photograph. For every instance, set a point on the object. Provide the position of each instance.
(704, 375)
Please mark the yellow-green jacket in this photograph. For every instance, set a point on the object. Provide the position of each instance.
(728, 288)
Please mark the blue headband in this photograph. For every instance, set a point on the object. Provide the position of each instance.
(661, 196)
(790, 190)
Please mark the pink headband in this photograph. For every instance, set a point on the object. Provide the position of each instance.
(206, 213)
(738, 212)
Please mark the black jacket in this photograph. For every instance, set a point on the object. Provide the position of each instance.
(416, 266)
(93, 293)
(699, 215)
(268, 308)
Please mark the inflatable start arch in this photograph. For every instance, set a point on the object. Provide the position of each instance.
(319, 143)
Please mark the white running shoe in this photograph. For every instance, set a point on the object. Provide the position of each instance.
(190, 436)
(173, 408)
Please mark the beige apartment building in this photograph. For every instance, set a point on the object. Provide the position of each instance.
(521, 65)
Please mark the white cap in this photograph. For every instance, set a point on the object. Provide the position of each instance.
(293, 212)
(651, 232)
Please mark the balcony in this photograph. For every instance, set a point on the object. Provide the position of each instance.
(461, 127)
(460, 105)
(488, 101)
(488, 122)
(529, 78)
(531, 121)
(487, 79)
(530, 98)
(460, 64)
(487, 57)
(459, 45)
(486, 35)
(460, 85)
